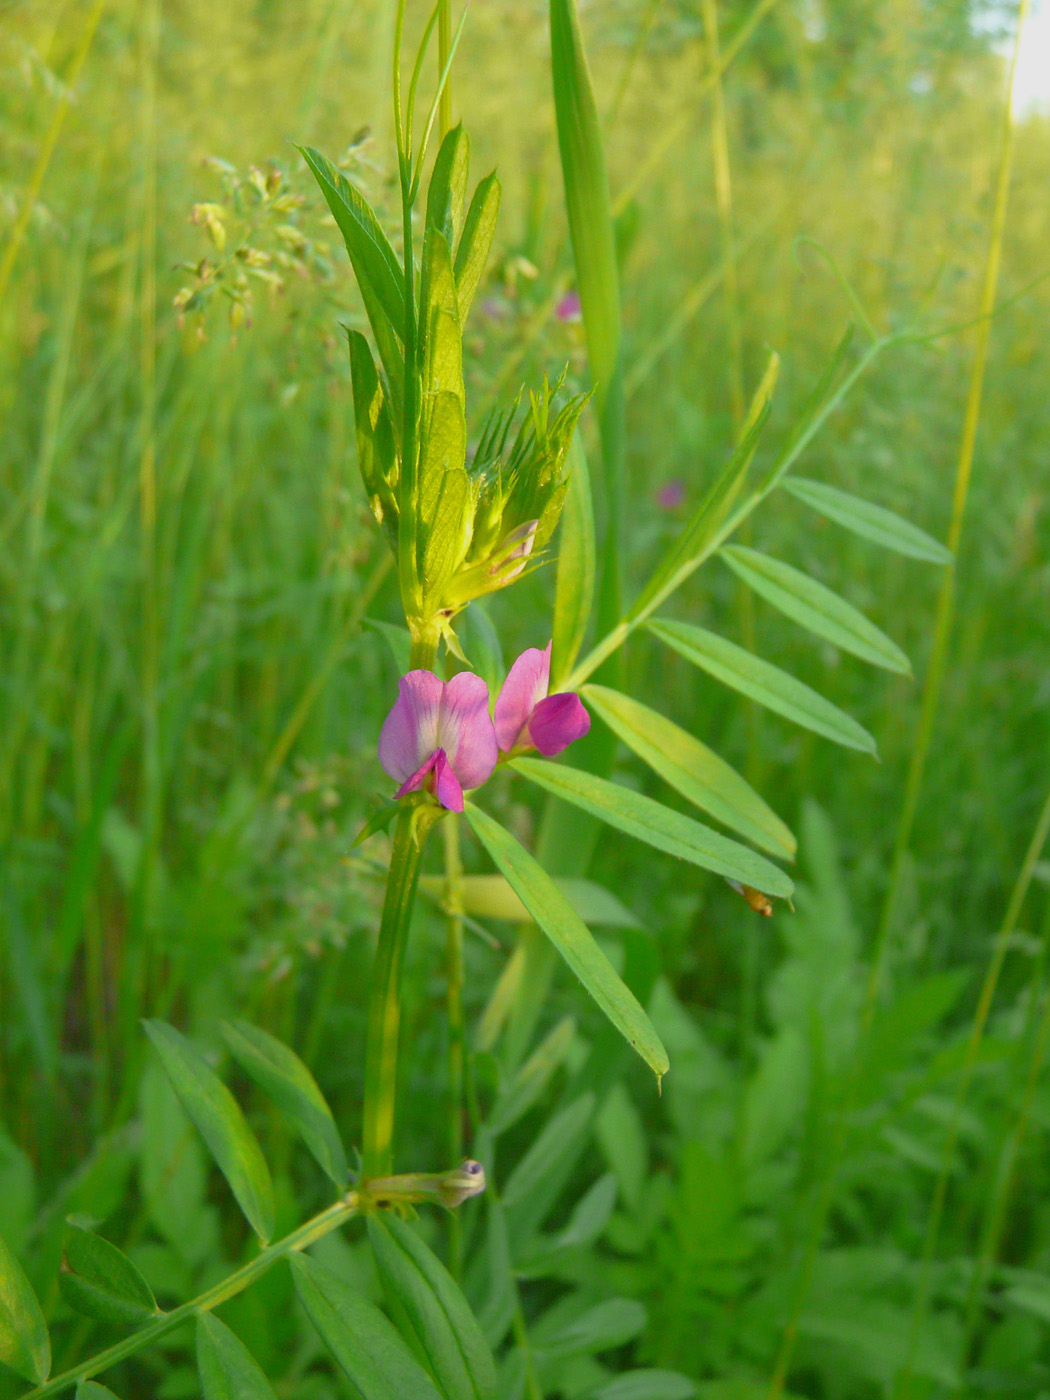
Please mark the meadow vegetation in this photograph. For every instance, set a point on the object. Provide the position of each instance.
(841, 1190)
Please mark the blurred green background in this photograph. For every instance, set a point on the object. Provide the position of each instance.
(190, 694)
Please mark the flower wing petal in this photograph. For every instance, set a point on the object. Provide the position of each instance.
(557, 721)
(415, 782)
(465, 730)
(409, 733)
(525, 686)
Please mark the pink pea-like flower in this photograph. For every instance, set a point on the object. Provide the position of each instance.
(439, 736)
(526, 717)
(568, 308)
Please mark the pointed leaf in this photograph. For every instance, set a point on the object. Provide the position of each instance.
(604, 1326)
(816, 607)
(692, 769)
(228, 1369)
(447, 1330)
(439, 319)
(560, 922)
(281, 1074)
(766, 684)
(475, 242)
(24, 1342)
(99, 1281)
(548, 1151)
(870, 521)
(359, 1336)
(657, 825)
(448, 186)
(220, 1122)
(91, 1390)
(574, 593)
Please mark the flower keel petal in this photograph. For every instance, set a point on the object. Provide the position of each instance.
(446, 785)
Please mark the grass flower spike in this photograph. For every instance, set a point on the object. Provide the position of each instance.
(526, 717)
(441, 729)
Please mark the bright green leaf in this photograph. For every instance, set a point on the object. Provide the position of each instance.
(359, 1336)
(284, 1077)
(870, 521)
(99, 1281)
(227, 1368)
(220, 1123)
(448, 186)
(439, 1314)
(639, 816)
(24, 1342)
(692, 769)
(574, 592)
(816, 607)
(763, 683)
(475, 242)
(563, 926)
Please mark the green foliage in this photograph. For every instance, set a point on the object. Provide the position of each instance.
(99, 1281)
(227, 1368)
(25, 1345)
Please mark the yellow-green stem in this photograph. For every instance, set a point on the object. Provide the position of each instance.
(454, 950)
(444, 48)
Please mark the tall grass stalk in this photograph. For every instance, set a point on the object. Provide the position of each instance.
(973, 1045)
(946, 597)
(825, 1194)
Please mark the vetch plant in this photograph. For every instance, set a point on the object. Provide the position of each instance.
(460, 530)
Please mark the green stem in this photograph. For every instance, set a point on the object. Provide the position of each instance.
(454, 951)
(211, 1298)
(444, 53)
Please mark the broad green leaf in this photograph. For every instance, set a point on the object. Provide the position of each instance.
(692, 769)
(448, 186)
(563, 926)
(439, 320)
(283, 1076)
(490, 897)
(475, 242)
(91, 1390)
(24, 1342)
(220, 1123)
(586, 193)
(645, 1385)
(99, 1281)
(602, 1327)
(816, 607)
(374, 261)
(439, 1314)
(639, 816)
(227, 1368)
(700, 534)
(574, 592)
(870, 521)
(447, 530)
(766, 684)
(359, 1336)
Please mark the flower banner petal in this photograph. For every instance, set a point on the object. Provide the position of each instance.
(465, 730)
(409, 733)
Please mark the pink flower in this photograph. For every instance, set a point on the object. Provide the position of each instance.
(569, 309)
(671, 495)
(526, 717)
(442, 729)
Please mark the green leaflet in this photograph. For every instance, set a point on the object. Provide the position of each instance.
(545, 1158)
(645, 1385)
(91, 1390)
(763, 683)
(220, 1123)
(375, 435)
(692, 769)
(490, 897)
(439, 320)
(375, 263)
(227, 1368)
(281, 1074)
(518, 1094)
(656, 825)
(359, 1336)
(475, 242)
(440, 1316)
(448, 186)
(563, 926)
(574, 593)
(99, 1281)
(816, 607)
(448, 515)
(604, 1326)
(24, 1342)
(870, 521)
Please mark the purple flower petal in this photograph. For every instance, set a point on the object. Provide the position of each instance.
(465, 731)
(409, 733)
(569, 309)
(446, 784)
(415, 782)
(557, 721)
(525, 686)
(671, 494)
